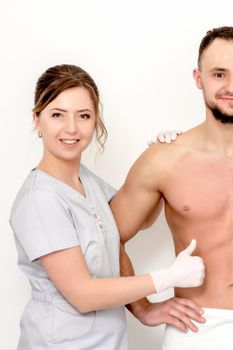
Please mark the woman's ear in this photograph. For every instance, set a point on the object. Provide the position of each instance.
(36, 122)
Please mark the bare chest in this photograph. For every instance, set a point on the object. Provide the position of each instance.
(200, 188)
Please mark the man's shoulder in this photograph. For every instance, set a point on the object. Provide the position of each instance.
(163, 151)
(164, 156)
(184, 142)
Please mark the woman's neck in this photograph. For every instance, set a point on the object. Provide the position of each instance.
(63, 170)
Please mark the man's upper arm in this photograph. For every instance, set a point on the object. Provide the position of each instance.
(138, 197)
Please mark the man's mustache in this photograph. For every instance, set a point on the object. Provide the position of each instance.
(225, 94)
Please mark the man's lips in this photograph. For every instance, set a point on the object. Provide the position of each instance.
(225, 98)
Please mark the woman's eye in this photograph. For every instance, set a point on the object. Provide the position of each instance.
(85, 116)
(56, 115)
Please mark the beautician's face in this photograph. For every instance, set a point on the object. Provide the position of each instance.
(216, 78)
(67, 124)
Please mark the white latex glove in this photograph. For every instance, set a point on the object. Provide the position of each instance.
(186, 271)
(165, 137)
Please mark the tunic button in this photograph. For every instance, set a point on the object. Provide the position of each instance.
(101, 226)
(95, 216)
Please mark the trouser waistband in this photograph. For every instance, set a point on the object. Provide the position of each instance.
(46, 297)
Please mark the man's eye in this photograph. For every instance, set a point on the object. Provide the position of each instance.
(219, 75)
(56, 115)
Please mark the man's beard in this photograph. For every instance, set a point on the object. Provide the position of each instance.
(218, 114)
(221, 116)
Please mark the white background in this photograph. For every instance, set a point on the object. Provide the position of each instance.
(141, 55)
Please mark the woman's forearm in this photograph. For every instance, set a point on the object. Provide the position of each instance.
(107, 293)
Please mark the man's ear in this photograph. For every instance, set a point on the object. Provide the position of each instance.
(197, 77)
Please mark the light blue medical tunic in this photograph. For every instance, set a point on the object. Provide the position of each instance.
(49, 215)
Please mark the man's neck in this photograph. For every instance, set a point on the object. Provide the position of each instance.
(218, 136)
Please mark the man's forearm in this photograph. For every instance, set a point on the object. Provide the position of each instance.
(126, 269)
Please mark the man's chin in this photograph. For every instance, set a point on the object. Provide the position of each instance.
(221, 116)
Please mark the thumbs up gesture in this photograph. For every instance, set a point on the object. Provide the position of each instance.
(189, 270)
(186, 271)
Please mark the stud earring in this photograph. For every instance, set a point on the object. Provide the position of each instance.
(39, 134)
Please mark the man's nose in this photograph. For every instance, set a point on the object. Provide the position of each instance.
(229, 85)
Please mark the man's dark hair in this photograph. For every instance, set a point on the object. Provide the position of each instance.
(225, 33)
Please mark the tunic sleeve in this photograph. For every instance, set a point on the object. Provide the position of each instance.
(108, 190)
(43, 223)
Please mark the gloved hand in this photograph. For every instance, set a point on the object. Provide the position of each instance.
(186, 271)
(165, 136)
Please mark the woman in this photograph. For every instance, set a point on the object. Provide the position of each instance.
(66, 237)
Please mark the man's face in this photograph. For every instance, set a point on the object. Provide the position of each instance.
(215, 78)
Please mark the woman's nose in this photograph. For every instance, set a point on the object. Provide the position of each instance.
(71, 125)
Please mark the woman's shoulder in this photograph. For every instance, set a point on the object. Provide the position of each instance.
(38, 181)
(35, 185)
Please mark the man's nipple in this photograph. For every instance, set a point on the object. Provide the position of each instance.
(186, 208)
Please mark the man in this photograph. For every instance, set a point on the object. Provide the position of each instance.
(194, 175)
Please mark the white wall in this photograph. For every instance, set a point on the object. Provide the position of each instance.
(141, 54)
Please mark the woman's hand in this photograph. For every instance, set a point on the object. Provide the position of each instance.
(186, 271)
(165, 137)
